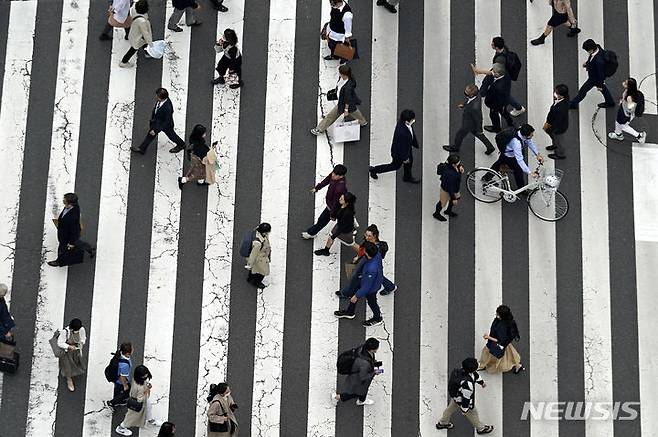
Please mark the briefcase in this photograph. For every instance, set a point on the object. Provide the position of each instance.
(71, 256)
(347, 51)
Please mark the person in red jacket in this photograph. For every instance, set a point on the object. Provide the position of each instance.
(337, 187)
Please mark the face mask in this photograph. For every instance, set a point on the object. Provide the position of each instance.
(555, 96)
(411, 122)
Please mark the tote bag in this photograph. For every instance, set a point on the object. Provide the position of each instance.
(346, 131)
(57, 351)
(156, 49)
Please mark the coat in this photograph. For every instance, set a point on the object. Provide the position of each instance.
(259, 259)
(140, 30)
(134, 418)
(163, 118)
(403, 141)
(496, 93)
(472, 115)
(558, 117)
(6, 320)
(347, 97)
(219, 411)
(68, 226)
(209, 161)
(363, 371)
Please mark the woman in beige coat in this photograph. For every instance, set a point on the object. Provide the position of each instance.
(221, 420)
(258, 262)
(140, 31)
(140, 391)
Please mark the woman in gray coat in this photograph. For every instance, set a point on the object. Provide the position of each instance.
(259, 259)
(140, 391)
(363, 371)
(221, 420)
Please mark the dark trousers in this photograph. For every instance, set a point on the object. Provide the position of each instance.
(255, 278)
(514, 103)
(352, 286)
(81, 244)
(461, 134)
(557, 142)
(129, 54)
(519, 174)
(496, 113)
(171, 134)
(372, 303)
(217, 3)
(394, 166)
(108, 30)
(588, 85)
(347, 396)
(233, 65)
(120, 396)
(332, 45)
(322, 221)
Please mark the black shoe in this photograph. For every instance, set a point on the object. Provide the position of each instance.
(260, 285)
(439, 217)
(105, 37)
(389, 7)
(448, 425)
(343, 314)
(180, 183)
(381, 2)
(551, 147)
(137, 150)
(175, 28)
(196, 23)
(372, 322)
(573, 106)
(573, 32)
(538, 41)
(322, 252)
(605, 105)
(411, 180)
(489, 150)
(554, 156)
(330, 58)
(125, 37)
(236, 85)
(486, 430)
(92, 254)
(221, 8)
(110, 406)
(373, 175)
(340, 295)
(53, 263)
(492, 129)
(176, 149)
(450, 149)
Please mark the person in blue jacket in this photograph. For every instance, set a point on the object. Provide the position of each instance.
(372, 276)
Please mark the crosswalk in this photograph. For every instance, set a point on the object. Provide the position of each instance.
(167, 276)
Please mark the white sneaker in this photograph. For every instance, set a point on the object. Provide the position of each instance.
(614, 136)
(155, 422)
(517, 112)
(368, 401)
(307, 236)
(126, 64)
(642, 138)
(334, 401)
(123, 431)
(316, 132)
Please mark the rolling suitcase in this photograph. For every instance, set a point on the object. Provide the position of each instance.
(8, 357)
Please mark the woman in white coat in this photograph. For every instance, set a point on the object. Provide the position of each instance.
(140, 31)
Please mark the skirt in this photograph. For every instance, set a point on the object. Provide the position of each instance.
(347, 239)
(70, 364)
(558, 19)
(507, 362)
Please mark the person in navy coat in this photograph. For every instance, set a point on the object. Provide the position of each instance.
(404, 139)
(595, 67)
(68, 231)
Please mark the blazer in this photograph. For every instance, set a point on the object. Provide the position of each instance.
(68, 228)
(164, 118)
(403, 141)
(558, 117)
(496, 93)
(451, 181)
(347, 96)
(472, 115)
(595, 66)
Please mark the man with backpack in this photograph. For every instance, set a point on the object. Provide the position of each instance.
(496, 93)
(511, 143)
(461, 388)
(360, 367)
(118, 372)
(337, 186)
(600, 65)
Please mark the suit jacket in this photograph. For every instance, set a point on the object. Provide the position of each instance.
(558, 117)
(596, 68)
(164, 118)
(68, 229)
(403, 141)
(496, 93)
(347, 96)
(472, 115)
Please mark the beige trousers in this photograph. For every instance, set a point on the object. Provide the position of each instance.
(332, 116)
(471, 415)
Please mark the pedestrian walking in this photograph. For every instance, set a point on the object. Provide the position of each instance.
(200, 167)
(231, 59)
(347, 102)
(361, 368)
(167, 429)
(596, 74)
(118, 16)
(370, 281)
(471, 121)
(372, 235)
(336, 187)
(451, 178)
(221, 418)
(141, 34)
(7, 323)
(258, 262)
(496, 92)
(139, 410)
(562, 14)
(389, 5)
(345, 227)
(557, 121)
(339, 28)
(631, 105)
(68, 233)
(513, 156)
(499, 355)
(71, 340)
(404, 139)
(461, 388)
(219, 5)
(121, 367)
(511, 65)
(162, 120)
(181, 7)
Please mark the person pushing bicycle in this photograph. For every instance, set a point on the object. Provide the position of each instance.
(511, 143)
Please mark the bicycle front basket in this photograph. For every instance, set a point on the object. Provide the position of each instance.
(551, 180)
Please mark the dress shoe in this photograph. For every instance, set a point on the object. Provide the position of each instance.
(554, 156)
(551, 147)
(137, 150)
(489, 150)
(322, 252)
(373, 175)
(450, 149)
(330, 58)
(451, 214)
(605, 105)
(221, 8)
(105, 37)
(573, 32)
(53, 263)
(389, 7)
(175, 28)
(176, 149)
(219, 81)
(438, 216)
(492, 129)
(412, 180)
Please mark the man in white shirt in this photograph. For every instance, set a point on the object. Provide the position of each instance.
(120, 11)
(339, 29)
(513, 155)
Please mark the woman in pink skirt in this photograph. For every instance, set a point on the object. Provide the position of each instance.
(498, 354)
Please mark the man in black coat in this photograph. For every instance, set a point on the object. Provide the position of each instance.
(68, 231)
(471, 121)
(557, 121)
(180, 7)
(595, 67)
(162, 120)
(496, 92)
(404, 139)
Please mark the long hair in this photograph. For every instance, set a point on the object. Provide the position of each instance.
(631, 89)
(166, 430)
(507, 317)
(216, 389)
(197, 133)
(142, 373)
(350, 200)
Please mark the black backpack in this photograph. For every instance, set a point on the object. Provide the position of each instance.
(441, 168)
(246, 244)
(455, 382)
(112, 369)
(639, 105)
(513, 65)
(504, 137)
(346, 360)
(611, 63)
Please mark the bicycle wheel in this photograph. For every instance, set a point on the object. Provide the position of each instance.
(549, 206)
(480, 182)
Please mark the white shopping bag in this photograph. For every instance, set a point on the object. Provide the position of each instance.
(346, 131)
(156, 49)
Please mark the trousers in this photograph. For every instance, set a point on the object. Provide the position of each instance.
(169, 132)
(394, 165)
(372, 303)
(333, 115)
(558, 143)
(228, 64)
(472, 415)
(461, 134)
(496, 113)
(178, 13)
(584, 89)
(347, 396)
(322, 221)
(519, 174)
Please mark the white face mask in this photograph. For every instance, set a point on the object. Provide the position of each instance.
(410, 123)
(555, 96)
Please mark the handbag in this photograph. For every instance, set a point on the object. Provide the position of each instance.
(324, 33)
(495, 350)
(219, 427)
(156, 49)
(133, 404)
(346, 50)
(114, 23)
(333, 93)
(346, 131)
(58, 352)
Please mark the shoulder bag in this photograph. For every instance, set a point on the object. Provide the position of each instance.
(133, 404)
(219, 427)
(57, 351)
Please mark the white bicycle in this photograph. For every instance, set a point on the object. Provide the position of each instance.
(544, 198)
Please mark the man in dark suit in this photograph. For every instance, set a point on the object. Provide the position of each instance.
(471, 121)
(68, 231)
(557, 121)
(496, 92)
(162, 120)
(404, 139)
(595, 67)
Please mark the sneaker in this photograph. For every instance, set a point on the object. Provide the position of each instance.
(517, 112)
(340, 314)
(316, 132)
(154, 422)
(366, 402)
(307, 236)
(219, 81)
(175, 28)
(322, 252)
(123, 431)
(334, 401)
(372, 322)
(642, 138)
(614, 136)
(234, 86)
(538, 41)
(110, 406)
(387, 292)
(126, 64)
(486, 430)
(448, 425)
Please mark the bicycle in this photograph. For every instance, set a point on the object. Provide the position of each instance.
(544, 199)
